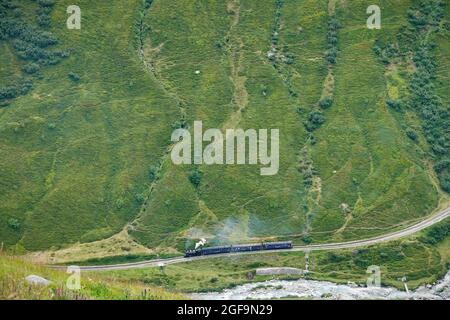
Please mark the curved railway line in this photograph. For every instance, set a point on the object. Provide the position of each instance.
(436, 218)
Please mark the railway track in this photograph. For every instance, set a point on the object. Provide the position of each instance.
(436, 218)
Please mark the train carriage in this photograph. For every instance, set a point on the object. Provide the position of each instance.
(247, 247)
(215, 250)
(239, 248)
(278, 245)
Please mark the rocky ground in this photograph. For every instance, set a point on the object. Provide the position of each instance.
(310, 289)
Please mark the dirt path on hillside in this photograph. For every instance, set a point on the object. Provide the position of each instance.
(236, 56)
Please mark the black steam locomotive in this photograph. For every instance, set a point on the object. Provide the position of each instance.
(239, 248)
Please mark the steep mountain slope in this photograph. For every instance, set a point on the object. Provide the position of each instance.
(76, 154)
(360, 158)
(85, 152)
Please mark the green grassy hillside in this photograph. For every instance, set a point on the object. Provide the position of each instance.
(13, 285)
(84, 142)
(76, 154)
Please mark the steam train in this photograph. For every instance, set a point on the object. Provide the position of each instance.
(239, 248)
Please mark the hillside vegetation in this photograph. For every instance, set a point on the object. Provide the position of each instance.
(86, 118)
(13, 285)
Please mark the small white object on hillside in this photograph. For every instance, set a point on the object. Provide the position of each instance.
(197, 71)
(37, 280)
